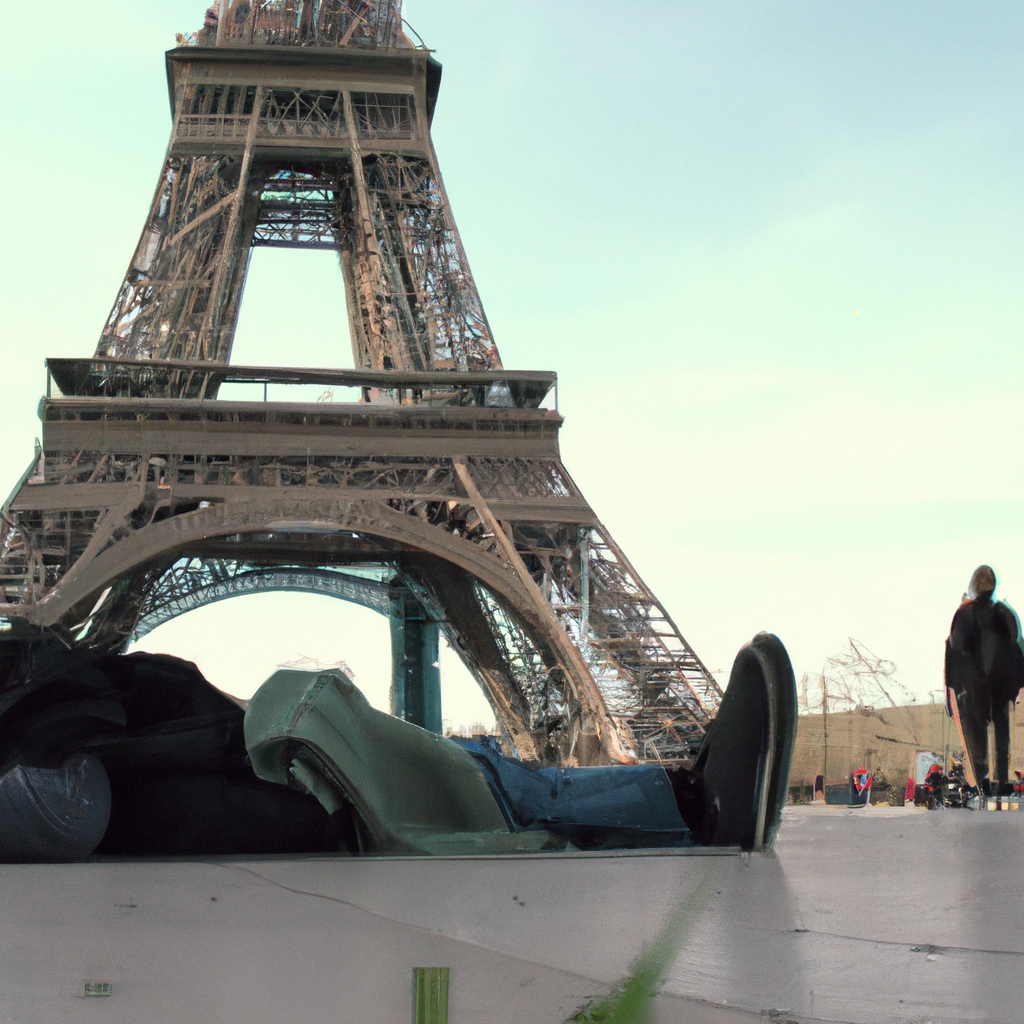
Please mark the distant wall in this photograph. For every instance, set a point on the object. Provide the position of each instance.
(885, 739)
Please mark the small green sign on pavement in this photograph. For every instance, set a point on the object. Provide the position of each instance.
(430, 992)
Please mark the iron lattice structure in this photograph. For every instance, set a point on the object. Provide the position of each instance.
(305, 123)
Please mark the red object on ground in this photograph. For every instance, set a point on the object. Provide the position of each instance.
(910, 790)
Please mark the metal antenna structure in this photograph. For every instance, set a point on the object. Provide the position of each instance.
(434, 495)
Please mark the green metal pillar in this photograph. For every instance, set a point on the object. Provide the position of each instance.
(415, 675)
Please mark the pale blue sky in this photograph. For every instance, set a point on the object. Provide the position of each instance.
(772, 250)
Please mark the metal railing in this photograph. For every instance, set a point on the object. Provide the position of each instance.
(368, 24)
(207, 126)
(152, 378)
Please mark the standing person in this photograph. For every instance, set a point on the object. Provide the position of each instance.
(935, 780)
(208, 33)
(985, 672)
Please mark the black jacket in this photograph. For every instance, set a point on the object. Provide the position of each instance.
(982, 653)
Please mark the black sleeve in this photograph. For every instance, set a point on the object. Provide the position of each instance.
(1008, 622)
(963, 631)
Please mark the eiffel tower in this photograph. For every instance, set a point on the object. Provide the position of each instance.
(434, 494)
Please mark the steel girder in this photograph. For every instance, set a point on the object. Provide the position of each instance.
(195, 582)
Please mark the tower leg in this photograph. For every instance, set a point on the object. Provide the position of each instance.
(415, 675)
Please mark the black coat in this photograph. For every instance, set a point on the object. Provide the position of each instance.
(982, 653)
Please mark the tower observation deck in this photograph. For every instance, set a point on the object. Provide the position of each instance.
(434, 494)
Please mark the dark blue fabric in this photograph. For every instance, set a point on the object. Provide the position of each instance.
(617, 805)
(53, 814)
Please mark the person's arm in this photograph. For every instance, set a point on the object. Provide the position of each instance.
(963, 631)
(1008, 621)
(1011, 625)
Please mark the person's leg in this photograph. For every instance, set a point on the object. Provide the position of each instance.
(974, 719)
(1001, 722)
